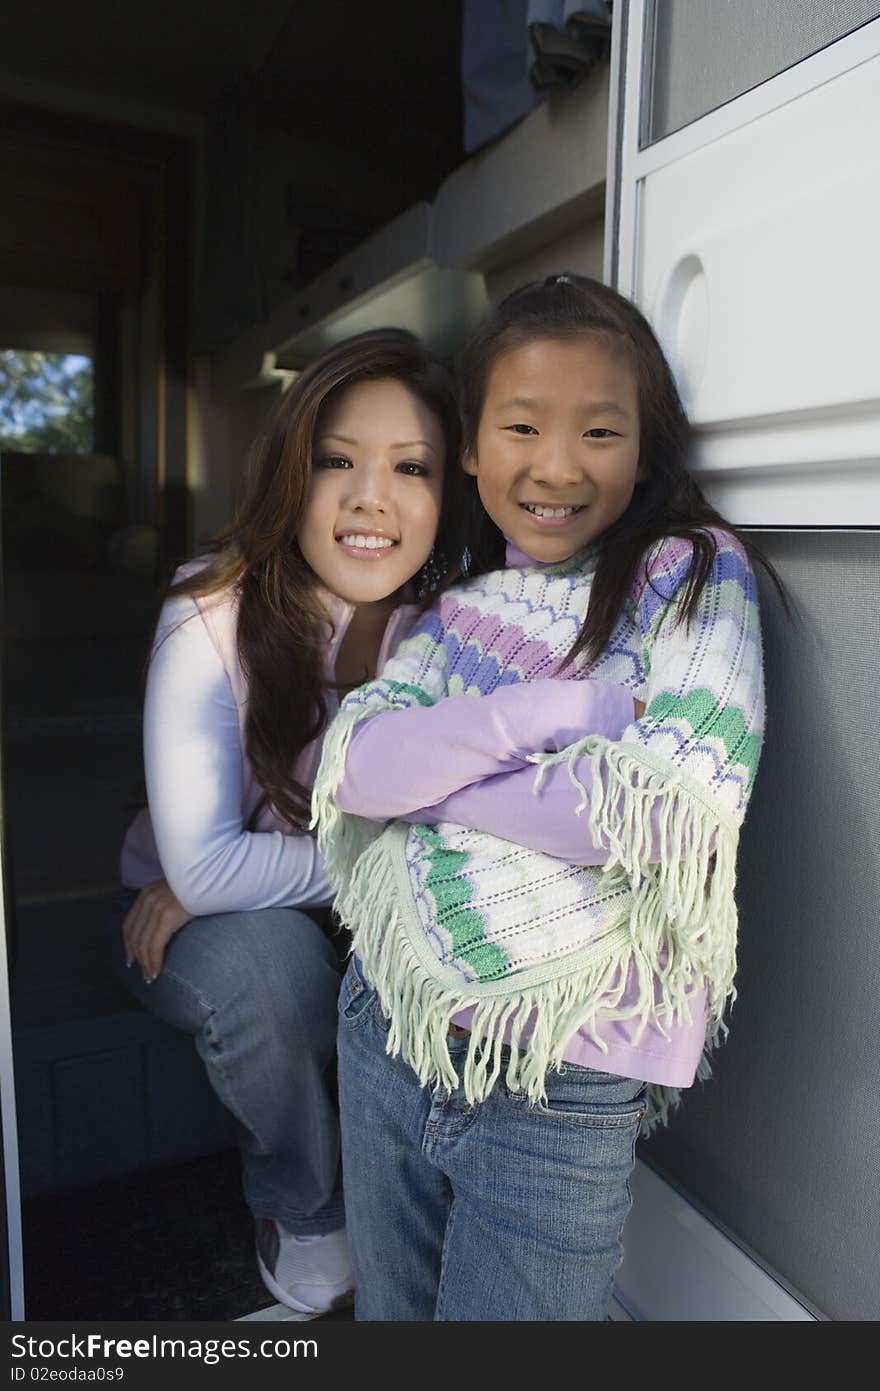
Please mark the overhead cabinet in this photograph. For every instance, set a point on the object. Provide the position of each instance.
(532, 197)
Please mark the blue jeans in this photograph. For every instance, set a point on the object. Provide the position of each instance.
(502, 1211)
(258, 993)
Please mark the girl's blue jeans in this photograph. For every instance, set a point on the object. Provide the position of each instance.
(257, 991)
(502, 1211)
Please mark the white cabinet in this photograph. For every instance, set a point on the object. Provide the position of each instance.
(750, 238)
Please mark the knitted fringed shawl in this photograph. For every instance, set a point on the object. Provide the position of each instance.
(445, 918)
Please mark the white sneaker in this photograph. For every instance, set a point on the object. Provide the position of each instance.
(310, 1274)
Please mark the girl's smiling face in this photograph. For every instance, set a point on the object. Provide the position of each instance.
(378, 460)
(556, 457)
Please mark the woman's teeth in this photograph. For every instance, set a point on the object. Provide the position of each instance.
(368, 543)
(537, 510)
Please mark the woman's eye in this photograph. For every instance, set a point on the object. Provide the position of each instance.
(522, 429)
(334, 461)
(413, 469)
(600, 433)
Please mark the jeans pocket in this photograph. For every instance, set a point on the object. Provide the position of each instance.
(584, 1097)
(357, 999)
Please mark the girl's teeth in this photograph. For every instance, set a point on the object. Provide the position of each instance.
(367, 543)
(538, 511)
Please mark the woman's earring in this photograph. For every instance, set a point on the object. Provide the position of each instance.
(432, 573)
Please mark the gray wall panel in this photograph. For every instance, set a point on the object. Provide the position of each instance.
(783, 1146)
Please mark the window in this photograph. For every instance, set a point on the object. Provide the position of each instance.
(46, 402)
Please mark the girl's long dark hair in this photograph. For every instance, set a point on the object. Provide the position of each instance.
(668, 502)
(281, 620)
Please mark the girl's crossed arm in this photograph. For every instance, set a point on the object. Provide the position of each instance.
(720, 646)
(403, 762)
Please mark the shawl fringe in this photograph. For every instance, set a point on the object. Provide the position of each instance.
(683, 913)
(342, 836)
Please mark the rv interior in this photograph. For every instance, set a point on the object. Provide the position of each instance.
(194, 201)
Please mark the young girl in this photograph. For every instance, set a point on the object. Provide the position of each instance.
(541, 953)
(301, 601)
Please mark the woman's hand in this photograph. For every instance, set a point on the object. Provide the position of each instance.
(639, 708)
(149, 925)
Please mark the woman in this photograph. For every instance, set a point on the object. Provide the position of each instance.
(305, 597)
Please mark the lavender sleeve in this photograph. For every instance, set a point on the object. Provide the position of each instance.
(405, 761)
(547, 818)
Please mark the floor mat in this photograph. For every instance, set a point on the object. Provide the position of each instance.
(175, 1243)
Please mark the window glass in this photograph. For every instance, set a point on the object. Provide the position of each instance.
(46, 402)
(701, 56)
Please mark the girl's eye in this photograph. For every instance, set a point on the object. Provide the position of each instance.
(522, 429)
(600, 433)
(413, 469)
(334, 461)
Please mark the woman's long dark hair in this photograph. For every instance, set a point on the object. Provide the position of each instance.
(281, 620)
(668, 502)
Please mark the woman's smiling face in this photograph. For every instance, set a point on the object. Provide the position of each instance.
(378, 461)
(557, 450)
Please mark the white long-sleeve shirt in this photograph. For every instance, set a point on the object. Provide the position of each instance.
(201, 791)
